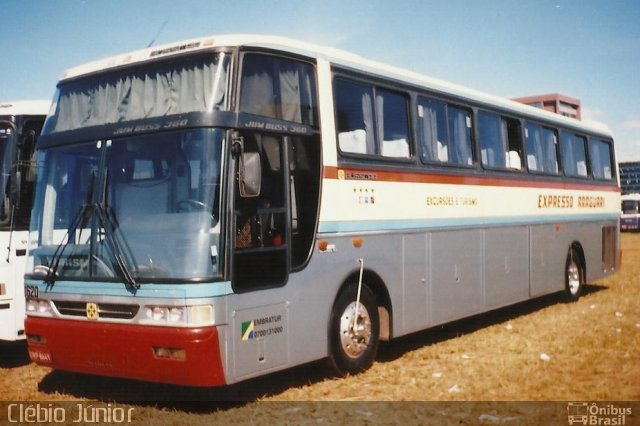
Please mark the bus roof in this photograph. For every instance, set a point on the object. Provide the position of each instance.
(34, 107)
(335, 56)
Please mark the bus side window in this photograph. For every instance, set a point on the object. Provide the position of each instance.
(533, 138)
(574, 156)
(492, 140)
(445, 133)
(354, 110)
(550, 150)
(461, 151)
(500, 141)
(433, 130)
(541, 145)
(393, 124)
(514, 143)
(600, 156)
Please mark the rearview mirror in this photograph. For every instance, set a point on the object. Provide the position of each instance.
(250, 174)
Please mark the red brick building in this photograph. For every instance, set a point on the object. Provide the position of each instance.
(554, 102)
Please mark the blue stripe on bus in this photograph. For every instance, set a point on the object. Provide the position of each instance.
(396, 225)
(168, 291)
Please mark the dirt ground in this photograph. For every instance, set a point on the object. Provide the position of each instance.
(502, 367)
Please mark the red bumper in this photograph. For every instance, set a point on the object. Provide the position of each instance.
(127, 351)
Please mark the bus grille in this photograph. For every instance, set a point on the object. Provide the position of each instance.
(105, 310)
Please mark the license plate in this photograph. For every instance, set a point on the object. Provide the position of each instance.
(40, 356)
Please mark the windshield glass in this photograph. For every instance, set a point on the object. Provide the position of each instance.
(630, 206)
(159, 89)
(144, 206)
(6, 141)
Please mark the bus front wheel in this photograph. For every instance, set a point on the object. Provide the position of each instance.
(574, 277)
(354, 331)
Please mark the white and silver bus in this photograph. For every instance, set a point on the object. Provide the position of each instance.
(630, 218)
(20, 124)
(221, 208)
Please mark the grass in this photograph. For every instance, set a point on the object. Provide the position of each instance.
(541, 350)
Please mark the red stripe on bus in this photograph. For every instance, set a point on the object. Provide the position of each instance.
(347, 173)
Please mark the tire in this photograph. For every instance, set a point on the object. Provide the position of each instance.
(351, 353)
(573, 277)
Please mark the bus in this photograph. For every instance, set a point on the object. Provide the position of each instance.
(20, 125)
(222, 208)
(630, 218)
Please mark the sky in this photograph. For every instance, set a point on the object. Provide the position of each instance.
(587, 49)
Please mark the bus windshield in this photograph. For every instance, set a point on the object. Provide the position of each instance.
(6, 141)
(630, 206)
(139, 93)
(144, 206)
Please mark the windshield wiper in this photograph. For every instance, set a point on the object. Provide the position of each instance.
(79, 221)
(116, 249)
(82, 217)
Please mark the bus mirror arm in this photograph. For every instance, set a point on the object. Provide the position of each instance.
(15, 187)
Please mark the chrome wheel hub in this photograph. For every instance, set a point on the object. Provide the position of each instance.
(573, 277)
(355, 333)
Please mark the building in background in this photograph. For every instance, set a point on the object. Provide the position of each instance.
(629, 177)
(554, 102)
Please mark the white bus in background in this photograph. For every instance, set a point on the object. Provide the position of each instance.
(221, 208)
(630, 218)
(20, 125)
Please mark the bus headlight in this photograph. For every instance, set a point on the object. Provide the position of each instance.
(32, 305)
(38, 306)
(193, 315)
(164, 313)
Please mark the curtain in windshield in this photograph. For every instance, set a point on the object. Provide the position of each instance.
(156, 90)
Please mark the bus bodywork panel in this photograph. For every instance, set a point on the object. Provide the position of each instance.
(19, 120)
(402, 266)
(123, 350)
(436, 276)
(11, 286)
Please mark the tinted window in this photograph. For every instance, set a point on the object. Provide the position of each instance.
(541, 149)
(445, 132)
(393, 122)
(278, 88)
(500, 141)
(367, 127)
(574, 156)
(600, 156)
(492, 141)
(354, 117)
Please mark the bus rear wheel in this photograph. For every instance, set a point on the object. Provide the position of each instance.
(574, 277)
(354, 334)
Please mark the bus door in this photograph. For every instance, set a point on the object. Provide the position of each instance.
(262, 213)
(261, 252)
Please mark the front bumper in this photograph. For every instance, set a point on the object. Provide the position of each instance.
(127, 351)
